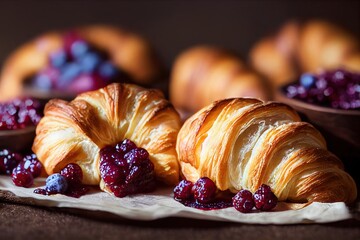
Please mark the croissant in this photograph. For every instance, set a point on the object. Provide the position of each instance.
(74, 132)
(131, 53)
(203, 74)
(304, 47)
(242, 143)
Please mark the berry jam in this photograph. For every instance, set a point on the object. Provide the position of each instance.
(76, 67)
(20, 113)
(127, 169)
(67, 182)
(338, 89)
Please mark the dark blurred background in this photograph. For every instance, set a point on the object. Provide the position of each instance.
(171, 26)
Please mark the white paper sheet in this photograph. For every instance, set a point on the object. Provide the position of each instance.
(160, 204)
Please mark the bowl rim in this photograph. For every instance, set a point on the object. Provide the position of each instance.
(280, 96)
(47, 94)
(14, 132)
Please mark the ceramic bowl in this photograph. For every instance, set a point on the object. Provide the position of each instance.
(341, 128)
(17, 140)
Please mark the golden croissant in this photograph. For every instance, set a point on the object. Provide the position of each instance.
(74, 132)
(305, 47)
(204, 74)
(243, 143)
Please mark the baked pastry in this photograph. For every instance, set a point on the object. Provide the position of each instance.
(130, 53)
(203, 74)
(75, 132)
(244, 143)
(305, 47)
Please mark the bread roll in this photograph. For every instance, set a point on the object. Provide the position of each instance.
(203, 74)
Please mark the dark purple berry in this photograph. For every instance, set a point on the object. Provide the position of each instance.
(264, 198)
(136, 156)
(19, 113)
(204, 190)
(8, 161)
(32, 164)
(22, 178)
(56, 183)
(111, 173)
(337, 89)
(73, 173)
(243, 201)
(183, 190)
(126, 169)
(125, 146)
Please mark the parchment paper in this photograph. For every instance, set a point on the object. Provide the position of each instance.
(160, 204)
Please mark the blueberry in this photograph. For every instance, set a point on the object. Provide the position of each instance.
(68, 73)
(107, 70)
(58, 59)
(56, 183)
(307, 80)
(43, 81)
(79, 48)
(89, 61)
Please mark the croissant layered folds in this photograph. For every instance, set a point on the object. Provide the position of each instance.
(128, 51)
(74, 132)
(243, 143)
(203, 74)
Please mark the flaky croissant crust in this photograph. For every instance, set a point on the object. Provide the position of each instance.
(128, 51)
(243, 143)
(74, 132)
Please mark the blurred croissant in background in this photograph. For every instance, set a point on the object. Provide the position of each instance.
(78, 60)
(203, 74)
(304, 47)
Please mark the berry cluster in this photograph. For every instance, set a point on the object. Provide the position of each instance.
(77, 67)
(126, 169)
(23, 170)
(263, 199)
(337, 89)
(20, 113)
(67, 182)
(202, 194)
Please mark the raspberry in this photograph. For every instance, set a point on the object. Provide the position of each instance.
(73, 173)
(204, 190)
(183, 190)
(243, 201)
(264, 198)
